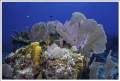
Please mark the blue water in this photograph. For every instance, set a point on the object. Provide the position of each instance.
(14, 14)
(14, 17)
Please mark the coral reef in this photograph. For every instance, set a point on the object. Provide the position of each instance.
(57, 51)
(55, 63)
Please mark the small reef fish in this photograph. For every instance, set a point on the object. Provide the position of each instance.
(51, 16)
(27, 16)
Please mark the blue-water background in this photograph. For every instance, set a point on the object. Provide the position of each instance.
(14, 17)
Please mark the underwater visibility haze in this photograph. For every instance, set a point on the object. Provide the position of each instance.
(60, 40)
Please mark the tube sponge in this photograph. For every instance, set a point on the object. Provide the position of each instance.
(80, 31)
(36, 57)
(35, 50)
(31, 51)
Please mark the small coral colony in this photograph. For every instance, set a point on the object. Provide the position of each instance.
(55, 51)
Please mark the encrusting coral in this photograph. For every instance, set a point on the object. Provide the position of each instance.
(61, 69)
(33, 50)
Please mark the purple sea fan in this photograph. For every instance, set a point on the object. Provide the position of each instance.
(37, 32)
(40, 31)
(80, 31)
(7, 71)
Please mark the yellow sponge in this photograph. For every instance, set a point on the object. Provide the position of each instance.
(36, 57)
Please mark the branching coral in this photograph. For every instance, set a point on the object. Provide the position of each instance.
(20, 40)
(80, 31)
(93, 69)
(108, 67)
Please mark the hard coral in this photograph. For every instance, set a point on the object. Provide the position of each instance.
(59, 70)
(20, 40)
(80, 63)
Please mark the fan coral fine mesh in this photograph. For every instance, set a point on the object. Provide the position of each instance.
(80, 31)
(37, 32)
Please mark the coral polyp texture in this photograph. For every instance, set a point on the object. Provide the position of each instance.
(57, 51)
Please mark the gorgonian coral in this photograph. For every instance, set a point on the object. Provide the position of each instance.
(40, 31)
(37, 32)
(80, 31)
(7, 71)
